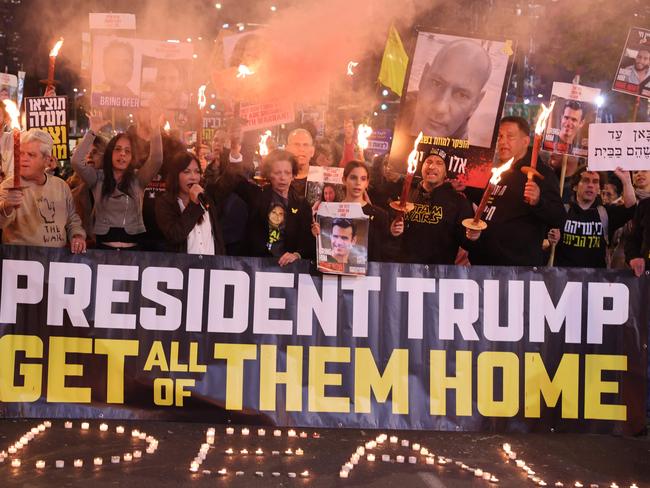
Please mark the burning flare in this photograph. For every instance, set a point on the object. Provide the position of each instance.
(13, 112)
(201, 97)
(167, 127)
(352, 64)
(264, 149)
(363, 132)
(243, 71)
(543, 117)
(496, 177)
(413, 156)
(55, 50)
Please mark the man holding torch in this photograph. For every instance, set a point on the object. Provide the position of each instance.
(520, 210)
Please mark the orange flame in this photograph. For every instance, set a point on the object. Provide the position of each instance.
(352, 64)
(363, 132)
(201, 97)
(414, 155)
(167, 127)
(55, 50)
(243, 71)
(497, 172)
(13, 112)
(264, 149)
(543, 117)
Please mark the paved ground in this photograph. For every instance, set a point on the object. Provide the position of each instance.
(566, 458)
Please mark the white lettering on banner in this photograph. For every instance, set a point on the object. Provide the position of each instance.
(105, 296)
(195, 286)
(542, 309)
(361, 286)
(171, 320)
(598, 315)
(463, 317)
(74, 303)
(309, 301)
(12, 295)
(240, 283)
(264, 303)
(416, 288)
(514, 330)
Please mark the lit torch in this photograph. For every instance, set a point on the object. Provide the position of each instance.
(243, 71)
(476, 223)
(404, 205)
(351, 65)
(264, 149)
(531, 171)
(167, 127)
(363, 132)
(202, 101)
(50, 72)
(14, 114)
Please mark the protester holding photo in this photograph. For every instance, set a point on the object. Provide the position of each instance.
(279, 220)
(185, 213)
(356, 178)
(118, 189)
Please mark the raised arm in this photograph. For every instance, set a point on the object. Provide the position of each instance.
(151, 167)
(78, 161)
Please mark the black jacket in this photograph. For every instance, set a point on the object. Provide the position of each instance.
(638, 244)
(298, 236)
(515, 229)
(433, 230)
(176, 225)
(378, 232)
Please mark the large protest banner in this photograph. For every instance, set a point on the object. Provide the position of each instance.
(623, 145)
(186, 337)
(454, 94)
(51, 115)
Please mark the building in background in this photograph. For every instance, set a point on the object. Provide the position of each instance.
(10, 38)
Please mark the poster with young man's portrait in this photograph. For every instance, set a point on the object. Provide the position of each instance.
(324, 184)
(8, 87)
(343, 239)
(567, 128)
(633, 73)
(454, 94)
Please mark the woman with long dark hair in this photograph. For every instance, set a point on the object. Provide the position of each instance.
(118, 188)
(186, 215)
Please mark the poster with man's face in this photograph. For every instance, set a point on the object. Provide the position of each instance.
(567, 129)
(343, 239)
(8, 87)
(633, 74)
(454, 95)
(129, 73)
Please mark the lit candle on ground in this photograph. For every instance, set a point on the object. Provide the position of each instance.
(275, 474)
(142, 436)
(478, 473)
(135, 433)
(24, 440)
(194, 467)
(230, 431)
(239, 473)
(361, 450)
(277, 433)
(259, 451)
(128, 456)
(289, 452)
(244, 452)
(15, 463)
(85, 426)
(430, 460)
(424, 451)
(245, 431)
(18, 445)
(77, 463)
(304, 474)
(34, 430)
(259, 474)
(520, 463)
(370, 457)
(494, 479)
(137, 454)
(229, 451)
(68, 425)
(348, 466)
(405, 443)
(41, 427)
(210, 439)
(412, 459)
(40, 464)
(343, 474)
(150, 450)
(59, 463)
(119, 429)
(385, 457)
(299, 452)
(275, 453)
(98, 461)
(12, 450)
(316, 435)
(47, 424)
(222, 472)
(261, 432)
(512, 455)
(210, 432)
(399, 459)
(303, 435)
(487, 476)
(115, 459)
(291, 475)
(506, 447)
(393, 439)
(103, 427)
(355, 458)
(291, 433)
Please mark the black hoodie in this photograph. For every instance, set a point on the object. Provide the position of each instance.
(638, 244)
(515, 229)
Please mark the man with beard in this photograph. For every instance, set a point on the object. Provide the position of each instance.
(639, 71)
(301, 145)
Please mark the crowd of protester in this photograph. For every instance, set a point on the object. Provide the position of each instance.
(143, 190)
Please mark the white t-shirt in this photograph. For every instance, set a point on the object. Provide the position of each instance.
(200, 240)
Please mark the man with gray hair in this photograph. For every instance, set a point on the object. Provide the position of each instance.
(42, 211)
(301, 145)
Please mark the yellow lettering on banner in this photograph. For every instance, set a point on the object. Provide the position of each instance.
(319, 379)
(595, 364)
(487, 362)
(174, 365)
(58, 370)
(537, 384)
(32, 373)
(440, 382)
(194, 366)
(270, 377)
(395, 378)
(163, 392)
(116, 350)
(235, 355)
(181, 392)
(156, 358)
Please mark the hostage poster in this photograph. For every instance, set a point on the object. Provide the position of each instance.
(343, 239)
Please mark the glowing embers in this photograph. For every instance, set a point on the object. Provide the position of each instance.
(84, 429)
(242, 446)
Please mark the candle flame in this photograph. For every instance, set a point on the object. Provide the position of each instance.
(352, 64)
(201, 97)
(243, 71)
(264, 149)
(497, 172)
(363, 132)
(13, 112)
(55, 50)
(167, 127)
(414, 155)
(543, 117)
